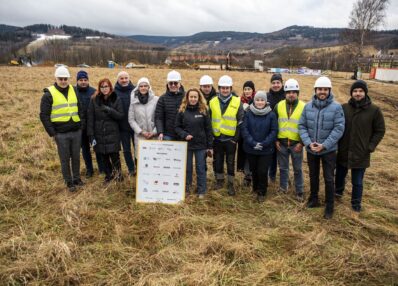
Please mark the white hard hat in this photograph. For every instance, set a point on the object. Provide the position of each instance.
(206, 80)
(62, 72)
(173, 76)
(291, 84)
(323, 81)
(225, 80)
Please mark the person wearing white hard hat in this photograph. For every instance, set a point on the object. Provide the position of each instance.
(206, 88)
(288, 143)
(62, 116)
(226, 113)
(321, 126)
(123, 89)
(142, 112)
(167, 107)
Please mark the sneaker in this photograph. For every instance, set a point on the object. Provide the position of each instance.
(260, 198)
(313, 203)
(282, 190)
(300, 197)
(201, 196)
(356, 208)
(78, 183)
(328, 213)
(71, 187)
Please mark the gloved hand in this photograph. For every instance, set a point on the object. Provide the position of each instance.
(106, 108)
(258, 147)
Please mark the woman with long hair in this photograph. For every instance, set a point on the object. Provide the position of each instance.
(104, 113)
(193, 125)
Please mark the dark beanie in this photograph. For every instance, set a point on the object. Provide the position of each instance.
(359, 84)
(276, 76)
(81, 74)
(250, 84)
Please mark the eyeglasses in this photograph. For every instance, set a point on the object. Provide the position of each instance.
(173, 83)
(63, 79)
(104, 86)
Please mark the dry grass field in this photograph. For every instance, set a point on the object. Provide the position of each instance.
(100, 236)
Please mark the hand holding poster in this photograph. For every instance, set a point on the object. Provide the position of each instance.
(161, 171)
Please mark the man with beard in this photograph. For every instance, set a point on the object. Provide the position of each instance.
(364, 129)
(84, 92)
(275, 94)
(289, 143)
(123, 89)
(321, 126)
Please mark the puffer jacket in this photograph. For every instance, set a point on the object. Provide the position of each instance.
(124, 93)
(142, 116)
(166, 112)
(322, 121)
(103, 123)
(84, 95)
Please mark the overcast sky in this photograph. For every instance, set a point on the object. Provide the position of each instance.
(183, 17)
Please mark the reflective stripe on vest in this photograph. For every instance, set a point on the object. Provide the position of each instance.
(224, 123)
(62, 109)
(288, 127)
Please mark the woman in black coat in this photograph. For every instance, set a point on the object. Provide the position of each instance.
(104, 113)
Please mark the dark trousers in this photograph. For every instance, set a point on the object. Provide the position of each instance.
(126, 137)
(328, 167)
(273, 167)
(86, 152)
(68, 145)
(259, 165)
(357, 176)
(200, 163)
(112, 165)
(224, 149)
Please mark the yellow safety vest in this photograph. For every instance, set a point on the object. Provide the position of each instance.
(224, 123)
(288, 127)
(62, 110)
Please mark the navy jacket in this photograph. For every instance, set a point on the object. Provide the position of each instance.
(124, 93)
(84, 95)
(259, 129)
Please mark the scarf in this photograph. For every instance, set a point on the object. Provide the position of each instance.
(143, 98)
(261, 112)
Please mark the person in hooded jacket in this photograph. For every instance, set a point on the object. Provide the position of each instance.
(321, 125)
(364, 129)
(259, 130)
(242, 164)
(104, 113)
(275, 95)
(167, 107)
(194, 126)
(84, 91)
(123, 89)
(142, 112)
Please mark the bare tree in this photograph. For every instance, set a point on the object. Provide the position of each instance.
(366, 16)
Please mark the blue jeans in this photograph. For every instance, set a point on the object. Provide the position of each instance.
(297, 160)
(168, 138)
(126, 137)
(357, 176)
(200, 164)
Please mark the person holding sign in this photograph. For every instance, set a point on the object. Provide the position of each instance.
(104, 113)
(193, 125)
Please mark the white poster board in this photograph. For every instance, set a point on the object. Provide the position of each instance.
(161, 171)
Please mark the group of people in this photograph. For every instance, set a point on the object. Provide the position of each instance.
(267, 129)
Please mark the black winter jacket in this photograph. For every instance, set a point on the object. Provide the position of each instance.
(166, 112)
(53, 128)
(192, 122)
(103, 123)
(84, 95)
(124, 93)
(274, 97)
(364, 129)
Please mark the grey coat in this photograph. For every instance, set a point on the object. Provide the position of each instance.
(322, 122)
